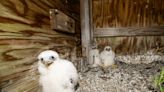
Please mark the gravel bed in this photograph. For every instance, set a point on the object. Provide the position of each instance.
(121, 78)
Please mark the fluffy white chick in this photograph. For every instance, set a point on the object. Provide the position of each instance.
(56, 75)
(107, 56)
(94, 57)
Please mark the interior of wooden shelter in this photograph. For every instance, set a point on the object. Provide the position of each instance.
(71, 28)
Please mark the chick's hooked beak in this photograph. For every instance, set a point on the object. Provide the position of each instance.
(47, 63)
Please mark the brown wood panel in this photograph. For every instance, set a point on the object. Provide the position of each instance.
(129, 26)
(133, 45)
(127, 13)
(131, 31)
(25, 32)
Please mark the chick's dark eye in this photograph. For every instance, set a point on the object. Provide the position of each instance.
(52, 57)
(41, 59)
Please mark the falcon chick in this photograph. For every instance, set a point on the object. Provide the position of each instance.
(94, 57)
(107, 56)
(56, 75)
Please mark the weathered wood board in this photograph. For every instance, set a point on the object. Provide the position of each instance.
(127, 13)
(129, 26)
(61, 22)
(25, 32)
(133, 45)
(129, 31)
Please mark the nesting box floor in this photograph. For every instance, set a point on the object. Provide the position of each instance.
(124, 78)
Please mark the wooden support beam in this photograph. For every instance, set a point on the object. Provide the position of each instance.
(85, 27)
(91, 22)
(132, 31)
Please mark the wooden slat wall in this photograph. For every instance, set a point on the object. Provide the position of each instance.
(133, 45)
(140, 20)
(25, 32)
(112, 20)
(127, 13)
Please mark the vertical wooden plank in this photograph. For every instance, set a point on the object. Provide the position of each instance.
(85, 27)
(91, 22)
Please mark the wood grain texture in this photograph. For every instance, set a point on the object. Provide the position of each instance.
(129, 31)
(24, 33)
(133, 45)
(85, 28)
(129, 26)
(127, 13)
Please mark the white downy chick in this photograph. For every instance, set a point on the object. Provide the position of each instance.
(56, 75)
(94, 57)
(107, 56)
